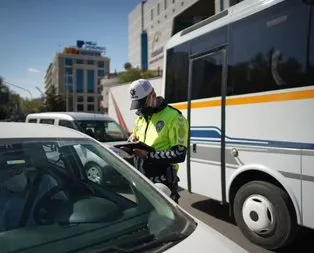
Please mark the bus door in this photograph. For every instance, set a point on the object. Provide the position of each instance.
(206, 116)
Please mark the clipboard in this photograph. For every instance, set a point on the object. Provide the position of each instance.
(133, 145)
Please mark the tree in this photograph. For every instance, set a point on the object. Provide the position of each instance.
(4, 93)
(32, 106)
(127, 66)
(53, 101)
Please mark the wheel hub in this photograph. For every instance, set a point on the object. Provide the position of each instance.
(93, 174)
(258, 214)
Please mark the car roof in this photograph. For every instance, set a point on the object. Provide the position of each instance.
(71, 116)
(15, 130)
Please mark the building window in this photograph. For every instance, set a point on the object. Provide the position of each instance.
(166, 16)
(68, 61)
(101, 73)
(80, 99)
(80, 107)
(79, 80)
(165, 4)
(90, 108)
(151, 14)
(90, 62)
(68, 71)
(173, 10)
(182, 3)
(79, 61)
(90, 99)
(173, 1)
(158, 8)
(69, 83)
(90, 81)
(101, 64)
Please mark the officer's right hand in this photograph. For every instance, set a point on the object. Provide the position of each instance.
(127, 150)
(133, 138)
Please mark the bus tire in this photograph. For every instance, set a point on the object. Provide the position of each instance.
(265, 214)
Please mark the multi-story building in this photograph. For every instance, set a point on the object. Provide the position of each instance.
(153, 22)
(76, 73)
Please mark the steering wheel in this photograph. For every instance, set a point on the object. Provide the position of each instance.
(46, 203)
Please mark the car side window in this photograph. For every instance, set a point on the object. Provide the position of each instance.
(66, 123)
(32, 121)
(113, 130)
(47, 121)
(53, 154)
(99, 171)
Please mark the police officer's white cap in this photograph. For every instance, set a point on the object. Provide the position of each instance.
(139, 90)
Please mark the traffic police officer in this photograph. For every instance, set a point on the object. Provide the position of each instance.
(162, 127)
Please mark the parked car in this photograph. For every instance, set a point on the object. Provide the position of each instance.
(48, 204)
(89, 123)
(98, 126)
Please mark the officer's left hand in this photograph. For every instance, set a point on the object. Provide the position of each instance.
(140, 152)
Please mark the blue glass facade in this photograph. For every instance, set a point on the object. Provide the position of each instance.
(90, 81)
(79, 80)
(69, 83)
(144, 51)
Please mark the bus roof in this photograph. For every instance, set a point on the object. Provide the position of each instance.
(232, 14)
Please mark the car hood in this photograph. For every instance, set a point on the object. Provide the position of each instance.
(206, 239)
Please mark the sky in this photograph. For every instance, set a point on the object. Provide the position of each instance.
(32, 31)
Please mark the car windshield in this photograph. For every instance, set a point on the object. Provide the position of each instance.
(102, 130)
(74, 195)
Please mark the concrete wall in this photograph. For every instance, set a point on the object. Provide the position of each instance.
(119, 103)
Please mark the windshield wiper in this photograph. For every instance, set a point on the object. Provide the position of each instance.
(173, 237)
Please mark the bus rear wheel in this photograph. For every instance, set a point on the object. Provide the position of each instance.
(265, 214)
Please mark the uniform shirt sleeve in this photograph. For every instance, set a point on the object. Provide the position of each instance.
(178, 139)
(134, 131)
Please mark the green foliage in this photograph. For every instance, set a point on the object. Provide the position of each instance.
(133, 74)
(32, 106)
(3, 112)
(53, 101)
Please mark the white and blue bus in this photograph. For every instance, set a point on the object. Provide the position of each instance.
(244, 78)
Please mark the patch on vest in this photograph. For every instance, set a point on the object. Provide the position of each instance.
(160, 124)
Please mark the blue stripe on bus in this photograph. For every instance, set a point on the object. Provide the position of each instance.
(198, 133)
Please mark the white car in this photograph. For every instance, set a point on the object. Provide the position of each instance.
(48, 204)
(110, 134)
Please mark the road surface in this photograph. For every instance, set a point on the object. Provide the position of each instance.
(216, 216)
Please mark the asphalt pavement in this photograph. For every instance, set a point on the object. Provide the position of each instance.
(217, 216)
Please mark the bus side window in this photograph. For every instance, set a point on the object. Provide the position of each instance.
(263, 57)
